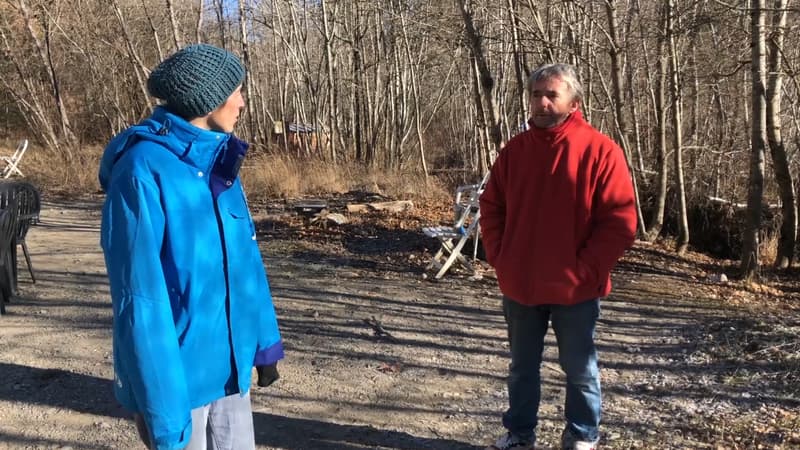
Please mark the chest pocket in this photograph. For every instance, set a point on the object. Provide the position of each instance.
(238, 224)
(240, 221)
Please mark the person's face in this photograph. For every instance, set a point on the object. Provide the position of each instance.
(551, 102)
(224, 118)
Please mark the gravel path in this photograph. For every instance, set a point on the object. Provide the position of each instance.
(377, 358)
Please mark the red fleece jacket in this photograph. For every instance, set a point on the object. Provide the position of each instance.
(557, 213)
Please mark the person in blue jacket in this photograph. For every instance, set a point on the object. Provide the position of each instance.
(192, 307)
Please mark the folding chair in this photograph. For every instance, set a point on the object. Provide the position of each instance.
(12, 162)
(454, 238)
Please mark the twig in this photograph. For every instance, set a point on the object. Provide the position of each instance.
(378, 329)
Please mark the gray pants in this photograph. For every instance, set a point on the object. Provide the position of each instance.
(225, 424)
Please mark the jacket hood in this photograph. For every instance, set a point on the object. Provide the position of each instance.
(194, 145)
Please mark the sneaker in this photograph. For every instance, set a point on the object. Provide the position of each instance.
(511, 441)
(570, 442)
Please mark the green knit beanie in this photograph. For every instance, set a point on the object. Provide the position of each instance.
(196, 79)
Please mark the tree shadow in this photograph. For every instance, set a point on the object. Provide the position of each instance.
(300, 434)
(59, 388)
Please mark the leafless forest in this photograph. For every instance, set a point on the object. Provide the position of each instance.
(701, 94)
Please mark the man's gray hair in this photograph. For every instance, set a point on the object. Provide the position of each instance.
(567, 74)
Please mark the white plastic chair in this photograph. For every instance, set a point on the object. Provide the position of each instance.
(454, 238)
(12, 162)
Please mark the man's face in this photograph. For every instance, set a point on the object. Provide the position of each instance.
(551, 102)
(224, 118)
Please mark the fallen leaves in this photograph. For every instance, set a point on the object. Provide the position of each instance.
(390, 367)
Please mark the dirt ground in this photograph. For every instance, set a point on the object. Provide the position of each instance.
(378, 358)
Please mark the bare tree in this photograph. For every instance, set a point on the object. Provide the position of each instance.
(682, 243)
(519, 65)
(45, 54)
(750, 242)
(433, 86)
(176, 34)
(415, 92)
(780, 163)
(153, 30)
(246, 88)
(330, 81)
(138, 66)
(199, 25)
(621, 121)
(660, 97)
(487, 84)
(35, 113)
(219, 9)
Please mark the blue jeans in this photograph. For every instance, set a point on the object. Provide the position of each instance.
(574, 327)
(224, 424)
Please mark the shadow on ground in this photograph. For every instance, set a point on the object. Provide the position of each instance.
(301, 434)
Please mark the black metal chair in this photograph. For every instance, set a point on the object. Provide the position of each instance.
(8, 232)
(30, 205)
(27, 203)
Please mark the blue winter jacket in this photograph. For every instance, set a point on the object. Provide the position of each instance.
(192, 308)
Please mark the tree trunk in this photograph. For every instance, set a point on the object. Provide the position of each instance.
(176, 35)
(677, 137)
(521, 77)
(199, 25)
(247, 90)
(330, 80)
(220, 11)
(136, 62)
(780, 163)
(35, 113)
(153, 30)
(46, 58)
(750, 242)
(619, 105)
(483, 140)
(657, 218)
(415, 92)
(486, 81)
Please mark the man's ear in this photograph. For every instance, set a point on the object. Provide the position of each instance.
(574, 107)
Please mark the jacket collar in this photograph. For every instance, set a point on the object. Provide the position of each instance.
(572, 120)
(193, 145)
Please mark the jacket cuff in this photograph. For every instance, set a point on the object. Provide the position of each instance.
(174, 441)
(269, 355)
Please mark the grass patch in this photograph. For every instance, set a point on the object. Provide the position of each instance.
(265, 176)
(280, 176)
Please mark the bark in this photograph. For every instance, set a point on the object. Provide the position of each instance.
(220, 11)
(516, 49)
(483, 139)
(682, 243)
(153, 30)
(44, 52)
(136, 62)
(621, 121)
(415, 92)
(662, 167)
(487, 82)
(199, 24)
(330, 80)
(780, 163)
(176, 34)
(34, 111)
(750, 241)
(247, 89)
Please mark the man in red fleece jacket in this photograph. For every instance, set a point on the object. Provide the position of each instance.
(557, 213)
